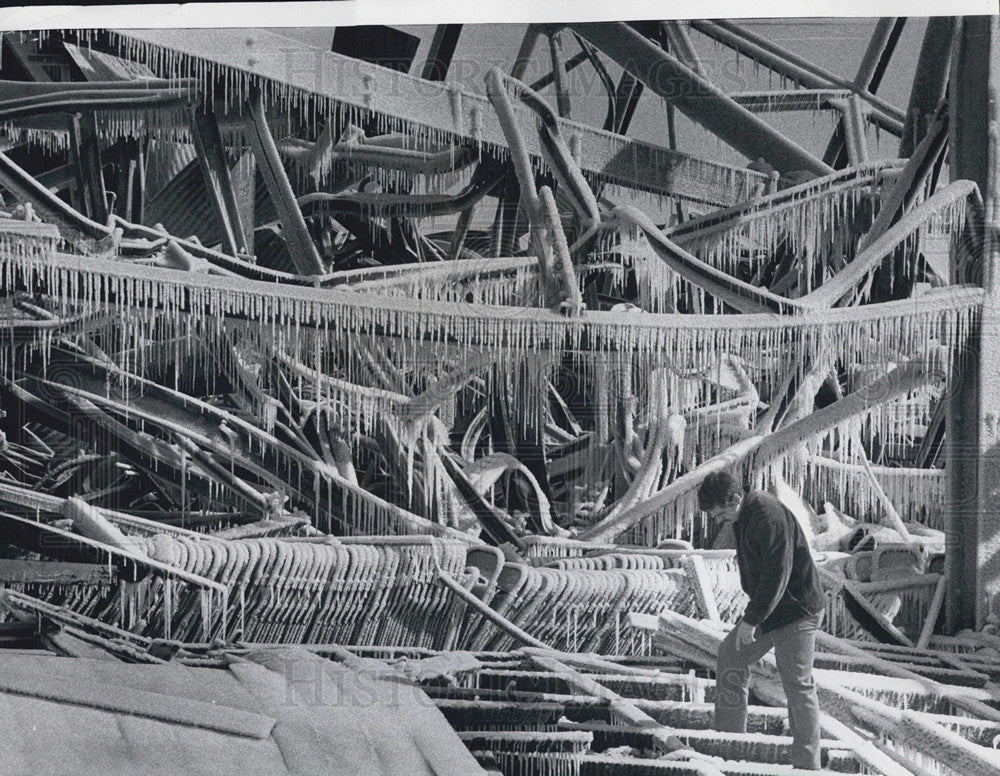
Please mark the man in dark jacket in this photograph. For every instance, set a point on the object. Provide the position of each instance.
(784, 612)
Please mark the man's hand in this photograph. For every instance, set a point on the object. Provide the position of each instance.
(745, 634)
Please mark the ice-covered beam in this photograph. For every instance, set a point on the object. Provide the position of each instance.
(622, 707)
(24, 55)
(973, 436)
(874, 252)
(789, 100)
(869, 76)
(294, 231)
(763, 448)
(72, 224)
(738, 294)
(559, 73)
(288, 71)
(679, 336)
(880, 48)
(680, 43)
(796, 68)
(442, 50)
(698, 99)
(929, 82)
(21, 98)
(85, 152)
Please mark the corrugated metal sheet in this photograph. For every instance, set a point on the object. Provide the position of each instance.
(164, 160)
(98, 66)
(184, 208)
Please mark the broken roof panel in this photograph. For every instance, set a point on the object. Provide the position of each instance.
(278, 711)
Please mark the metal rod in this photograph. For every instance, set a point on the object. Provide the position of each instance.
(442, 50)
(296, 234)
(559, 74)
(698, 99)
(796, 68)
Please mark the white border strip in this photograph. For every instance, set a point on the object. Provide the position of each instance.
(403, 12)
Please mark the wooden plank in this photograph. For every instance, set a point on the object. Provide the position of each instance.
(450, 111)
(679, 635)
(697, 574)
(623, 707)
(870, 618)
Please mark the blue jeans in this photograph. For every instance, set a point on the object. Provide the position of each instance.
(793, 645)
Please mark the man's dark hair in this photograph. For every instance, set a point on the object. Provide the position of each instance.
(716, 489)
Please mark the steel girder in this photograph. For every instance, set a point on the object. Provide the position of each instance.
(698, 99)
(447, 110)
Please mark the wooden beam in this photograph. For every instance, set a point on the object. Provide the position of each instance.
(701, 583)
(622, 707)
(869, 618)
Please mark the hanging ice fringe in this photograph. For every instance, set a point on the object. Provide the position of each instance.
(340, 90)
(820, 221)
(811, 469)
(917, 494)
(505, 281)
(313, 322)
(311, 326)
(399, 347)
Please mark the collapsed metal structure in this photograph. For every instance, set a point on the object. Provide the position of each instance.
(268, 374)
